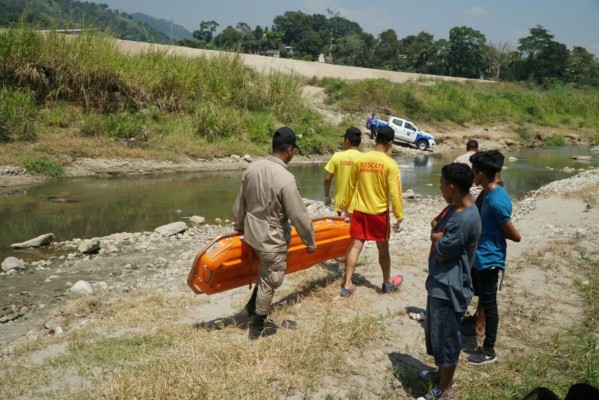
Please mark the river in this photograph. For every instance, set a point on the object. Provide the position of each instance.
(102, 206)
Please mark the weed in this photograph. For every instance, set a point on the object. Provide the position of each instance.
(43, 166)
(555, 140)
(17, 115)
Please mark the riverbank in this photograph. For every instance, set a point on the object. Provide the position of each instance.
(142, 333)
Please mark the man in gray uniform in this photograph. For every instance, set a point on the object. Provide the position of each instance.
(267, 201)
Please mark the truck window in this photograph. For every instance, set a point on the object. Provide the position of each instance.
(410, 126)
(397, 122)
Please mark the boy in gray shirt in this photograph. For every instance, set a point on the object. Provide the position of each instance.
(449, 285)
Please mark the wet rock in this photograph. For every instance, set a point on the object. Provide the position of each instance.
(581, 158)
(196, 219)
(12, 263)
(42, 240)
(82, 288)
(247, 158)
(171, 229)
(512, 159)
(409, 194)
(89, 246)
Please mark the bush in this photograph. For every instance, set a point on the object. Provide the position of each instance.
(554, 140)
(43, 166)
(17, 116)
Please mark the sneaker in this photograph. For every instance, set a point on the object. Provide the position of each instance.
(437, 394)
(482, 356)
(396, 281)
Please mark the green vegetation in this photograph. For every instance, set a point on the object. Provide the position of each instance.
(43, 166)
(82, 87)
(70, 14)
(555, 140)
(17, 115)
(561, 106)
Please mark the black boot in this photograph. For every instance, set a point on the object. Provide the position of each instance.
(250, 307)
(256, 327)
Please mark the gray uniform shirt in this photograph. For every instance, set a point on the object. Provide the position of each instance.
(450, 279)
(267, 200)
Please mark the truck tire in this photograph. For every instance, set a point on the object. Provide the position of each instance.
(422, 145)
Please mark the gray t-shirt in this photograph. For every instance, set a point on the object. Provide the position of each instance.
(450, 279)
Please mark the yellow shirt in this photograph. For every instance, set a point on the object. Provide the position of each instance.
(374, 179)
(340, 165)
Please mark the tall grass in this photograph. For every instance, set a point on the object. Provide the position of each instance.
(560, 106)
(220, 98)
(17, 115)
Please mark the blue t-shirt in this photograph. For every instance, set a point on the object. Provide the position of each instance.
(492, 247)
(450, 279)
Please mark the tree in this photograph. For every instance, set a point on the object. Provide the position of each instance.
(417, 52)
(351, 50)
(310, 44)
(386, 50)
(498, 55)
(582, 67)
(541, 58)
(466, 49)
(229, 39)
(206, 31)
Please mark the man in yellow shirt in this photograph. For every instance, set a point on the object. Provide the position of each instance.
(374, 181)
(340, 166)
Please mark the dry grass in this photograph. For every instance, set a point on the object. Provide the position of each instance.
(589, 194)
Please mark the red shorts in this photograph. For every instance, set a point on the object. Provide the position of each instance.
(374, 227)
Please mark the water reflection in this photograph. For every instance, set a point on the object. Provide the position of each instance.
(103, 206)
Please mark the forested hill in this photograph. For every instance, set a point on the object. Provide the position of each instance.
(70, 14)
(169, 28)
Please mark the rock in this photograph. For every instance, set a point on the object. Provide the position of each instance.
(247, 158)
(512, 159)
(11, 263)
(235, 157)
(568, 169)
(581, 158)
(82, 288)
(42, 240)
(196, 219)
(409, 194)
(218, 221)
(171, 229)
(509, 142)
(89, 246)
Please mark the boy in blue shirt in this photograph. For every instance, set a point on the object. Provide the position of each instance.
(497, 226)
(449, 285)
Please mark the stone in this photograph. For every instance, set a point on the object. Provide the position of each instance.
(42, 240)
(11, 263)
(196, 219)
(218, 221)
(235, 157)
(512, 159)
(89, 246)
(171, 229)
(82, 288)
(409, 194)
(247, 158)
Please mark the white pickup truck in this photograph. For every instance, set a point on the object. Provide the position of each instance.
(406, 132)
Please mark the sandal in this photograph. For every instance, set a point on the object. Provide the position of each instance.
(396, 281)
(347, 292)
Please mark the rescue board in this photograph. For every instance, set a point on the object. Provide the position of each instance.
(228, 262)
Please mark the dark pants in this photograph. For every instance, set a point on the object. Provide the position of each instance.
(487, 285)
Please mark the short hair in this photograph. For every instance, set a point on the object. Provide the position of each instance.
(458, 174)
(280, 147)
(489, 162)
(355, 142)
(384, 135)
(541, 393)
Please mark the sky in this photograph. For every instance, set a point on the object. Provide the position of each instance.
(573, 22)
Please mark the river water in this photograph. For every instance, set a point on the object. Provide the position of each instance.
(99, 207)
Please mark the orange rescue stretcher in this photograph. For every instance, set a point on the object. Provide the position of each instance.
(228, 262)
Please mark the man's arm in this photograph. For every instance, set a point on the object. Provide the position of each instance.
(239, 210)
(294, 207)
(394, 185)
(328, 179)
(510, 232)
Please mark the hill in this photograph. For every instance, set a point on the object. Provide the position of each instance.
(70, 14)
(169, 28)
